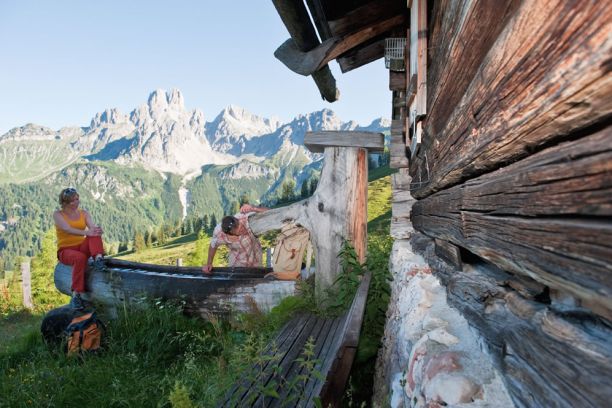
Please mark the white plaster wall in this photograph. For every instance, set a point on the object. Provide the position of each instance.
(430, 356)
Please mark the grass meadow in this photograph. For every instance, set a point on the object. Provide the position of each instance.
(157, 356)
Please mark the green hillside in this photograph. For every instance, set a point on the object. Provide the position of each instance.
(125, 201)
(30, 160)
(158, 356)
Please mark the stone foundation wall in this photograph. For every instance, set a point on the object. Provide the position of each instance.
(430, 356)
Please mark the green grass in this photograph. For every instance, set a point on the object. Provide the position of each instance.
(380, 172)
(146, 355)
(27, 161)
(156, 355)
(182, 247)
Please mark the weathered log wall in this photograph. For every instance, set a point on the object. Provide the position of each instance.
(547, 217)
(550, 355)
(514, 182)
(546, 76)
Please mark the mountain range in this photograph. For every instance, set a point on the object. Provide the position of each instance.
(158, 163)
(163, 135)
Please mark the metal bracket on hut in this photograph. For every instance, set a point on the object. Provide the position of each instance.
(338, 208)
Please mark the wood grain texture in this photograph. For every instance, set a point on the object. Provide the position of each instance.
(365, 15)
(534, 87)
(368, 52)
(547, 356)
(449, 252)
(397, 81)
(297, 21)
(220, 294)
(316, 142)
(547, 217)
(461, 34)
(332, 214)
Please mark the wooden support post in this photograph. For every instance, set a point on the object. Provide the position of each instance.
(26, 285)
(397, 81)
(337, 211)
(179, 261)
(417, 92)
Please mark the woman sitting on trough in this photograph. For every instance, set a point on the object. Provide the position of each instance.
(78, 239)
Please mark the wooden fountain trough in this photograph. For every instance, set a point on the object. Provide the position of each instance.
(226, 290)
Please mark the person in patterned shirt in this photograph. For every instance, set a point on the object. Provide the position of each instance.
(234, 231)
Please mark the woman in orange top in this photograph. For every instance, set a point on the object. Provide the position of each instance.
(78, 238)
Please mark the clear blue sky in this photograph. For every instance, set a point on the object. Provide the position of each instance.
(61, 61)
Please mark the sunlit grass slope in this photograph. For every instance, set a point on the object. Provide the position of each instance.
(159, 357)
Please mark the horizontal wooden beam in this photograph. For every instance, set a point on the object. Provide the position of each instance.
(533, 88)
(368, 14)
(307, 62)
(449, 252)
(540, 352)
(316, 142)
(362, 55)
(547, 217)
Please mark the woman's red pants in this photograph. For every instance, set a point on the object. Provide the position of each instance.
(77, 257)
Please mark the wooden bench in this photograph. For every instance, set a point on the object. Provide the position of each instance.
(281, 380)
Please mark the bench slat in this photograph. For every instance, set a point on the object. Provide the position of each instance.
(335, 342)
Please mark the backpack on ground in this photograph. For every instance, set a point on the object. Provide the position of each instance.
(289, 252)
(84, 333)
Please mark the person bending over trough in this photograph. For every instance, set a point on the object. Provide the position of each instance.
(234, 231)
(78, 239)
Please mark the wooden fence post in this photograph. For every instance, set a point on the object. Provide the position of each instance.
(26, 285)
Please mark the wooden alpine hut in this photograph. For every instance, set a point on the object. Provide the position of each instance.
(502, 203)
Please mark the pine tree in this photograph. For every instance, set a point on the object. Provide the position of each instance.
(213, 222)
(245, 199)
(123, 246)
(287, 191)
(148, 239)
(205, 224)
(44, 293)
(235, 208)
(305, 189)
(161, 236)
(314, 182)
(139, 242)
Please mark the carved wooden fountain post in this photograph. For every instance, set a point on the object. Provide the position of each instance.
(338, 208)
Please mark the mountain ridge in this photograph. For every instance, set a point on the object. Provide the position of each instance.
(161, 134)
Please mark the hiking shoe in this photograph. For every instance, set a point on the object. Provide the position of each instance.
(99, 263)
(77, 302)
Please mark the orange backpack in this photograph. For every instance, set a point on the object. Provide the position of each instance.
(289, 252)
(84, 333)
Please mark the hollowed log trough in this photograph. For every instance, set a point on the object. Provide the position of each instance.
(226, 290)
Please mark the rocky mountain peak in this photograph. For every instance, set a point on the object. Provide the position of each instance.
(161, 102)
(29, 131)
(377, 124)
(234, 125)
(108, 117)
